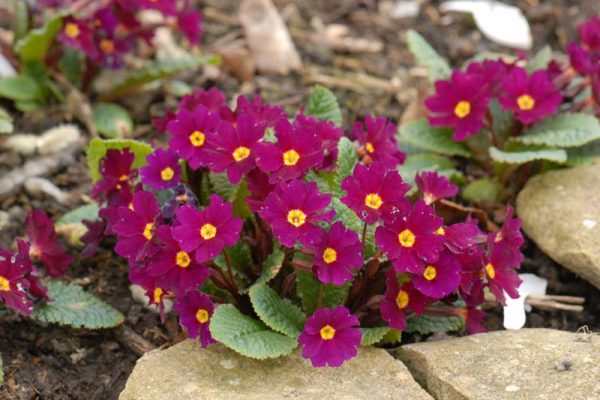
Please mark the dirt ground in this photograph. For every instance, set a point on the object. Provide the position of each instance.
(49, 362)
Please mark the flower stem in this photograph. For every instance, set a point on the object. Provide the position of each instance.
(229, 270)
(364, 236)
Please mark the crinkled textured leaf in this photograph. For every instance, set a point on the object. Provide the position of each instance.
(436, 140)
(248, 336)
(351, 221)
(270, 267)
(563, 130)
(98, 148)
(584, 155)
(502, 120)
(71, 66)
(35, 44)
(20, 88)
(525, 156)
(111, 120)
(393, 336)
(278, 314)
(426, 324)
(540, 60)
(222, 186)
(240, 258)
(482, 190)
(346, 161)
(73, 307)
(323, 105)
(426, 56)
(160, 69)
(308, 288)
(371, 336)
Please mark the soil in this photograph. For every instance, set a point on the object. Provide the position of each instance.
(49, 362)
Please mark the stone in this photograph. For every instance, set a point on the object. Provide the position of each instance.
(560, 211)
(526, 364)
(186, 371)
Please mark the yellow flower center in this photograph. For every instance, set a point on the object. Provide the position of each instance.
(208, 231)
(123, 178)
(149, 230)
(241, 153)
(182, 259)
(107, 46)
(327, 332)
(369, 147)
(373, 200)
(296, 217)
(157, 295)
(462, 109)
(197, 138)
(440, 231)
(167, 174)
(4, 284)
(329, 255)
(202, 315)
(406, 238)
(430, 273)
(72, 30)
(525, 102)
(291, 157)
(491, 271)
(131, 206)
(402, 299)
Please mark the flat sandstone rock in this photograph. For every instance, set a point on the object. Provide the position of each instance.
(526, 364)
(186, 371)
(561, 214)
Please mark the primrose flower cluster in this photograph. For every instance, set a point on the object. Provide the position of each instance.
(180, 238)
(20, 284)
(107, 31)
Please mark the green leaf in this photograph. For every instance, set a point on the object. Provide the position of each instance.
(563, 130)
(278, 314)
(20, 88)
(347, 159)
(420, 162)
(482, 190)
(71, 223)
(6, 124)
(270, 267)
(160, 69)
(308, 289)
(371, 336)
(426, 324)
(427, 138)
(248, 336)
(502, 120)
(427, 57)
(20, 21)
(70, 65)
(527, 155)
(35, 44)
(222, 186)
(540, 60)
(392, 337)
(351, 221)
(240, 258)
(112, 120)
(98, 148)
(584, 155)
(323, 105)
(73, 307)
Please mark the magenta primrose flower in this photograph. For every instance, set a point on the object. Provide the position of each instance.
(500, 272)
(580, 59)
(189, 24)
(136, 227)
(412, 241)
(44, 244)
(399, 300)
(189, 133)
(493, 71)
(175, 268)
(207, 232)
(77, 35)
(459, 237)
(195, 310)
(14, 285)
(233, 148)
(330, 337)
(337, 255)
(138, 275)
(531, 98)
(36, 288)
(293, 209)
(377, 138)
(441, 278)
(460, 103)
(264, 114)
(259, 187)
(375, 192)
(163, 170)
(117, 175)
(295, 152)
(434, 187)
(327, 134)
(589, 33)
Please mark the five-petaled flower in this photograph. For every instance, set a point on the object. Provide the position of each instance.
(195, 310)
(440, 278)
(207, 232)
(14, 285)
(163, 170)
(434, 187)
(377, 140)
(337, 254)
(398, 300)
(293, 209)
(330, 337)
(375, 192)
(44, 244)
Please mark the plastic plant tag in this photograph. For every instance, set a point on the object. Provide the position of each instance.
(514, 311)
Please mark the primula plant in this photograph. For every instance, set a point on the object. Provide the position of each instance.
(510, 117)
(268, 232)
